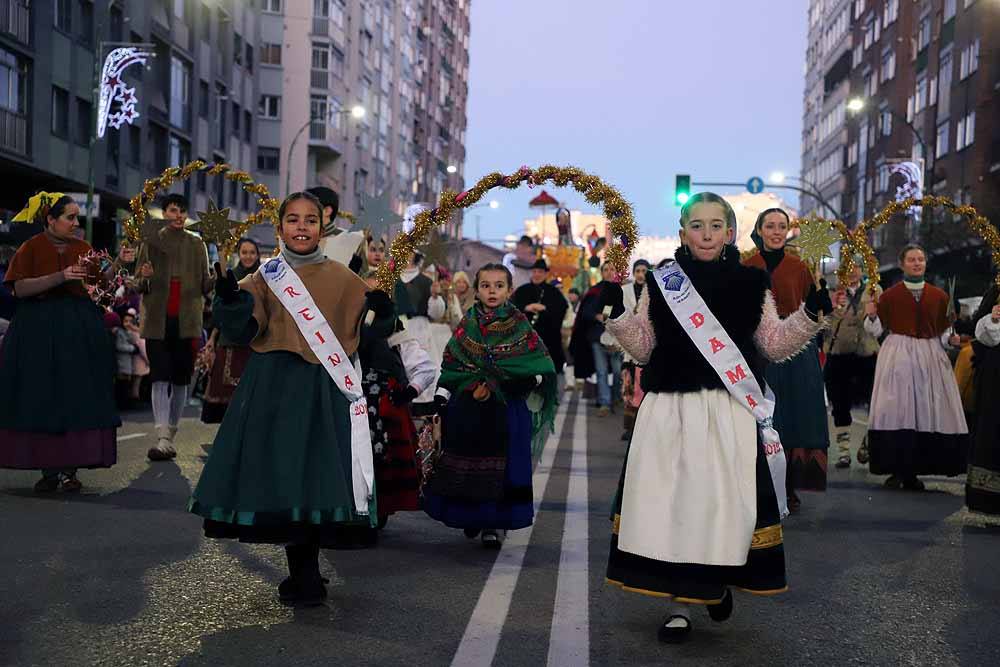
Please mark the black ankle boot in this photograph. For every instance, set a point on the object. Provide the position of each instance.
(304, 584)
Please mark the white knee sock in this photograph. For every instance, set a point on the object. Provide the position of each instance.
(178, 399)
(161, 404)
(678, 609)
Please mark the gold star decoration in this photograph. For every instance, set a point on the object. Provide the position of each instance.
(815, 238)
(214, 225)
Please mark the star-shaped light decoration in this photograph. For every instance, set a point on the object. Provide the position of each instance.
(814, 240)
(377, 216)
(214, 225)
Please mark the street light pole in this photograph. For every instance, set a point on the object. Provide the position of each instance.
(357, 112)
(96, 81)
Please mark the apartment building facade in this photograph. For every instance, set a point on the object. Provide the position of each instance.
(195, 99)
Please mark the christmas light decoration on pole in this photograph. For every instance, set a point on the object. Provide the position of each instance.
(113, 88)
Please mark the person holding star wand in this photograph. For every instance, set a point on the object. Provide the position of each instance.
(292, 461)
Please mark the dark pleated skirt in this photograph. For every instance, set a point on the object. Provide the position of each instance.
(800, 417)
(457, 508)
(280, 467)
(982, 490)
(230, 362)
(763, 573)
(57, 402)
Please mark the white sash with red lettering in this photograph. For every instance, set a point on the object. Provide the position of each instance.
(346, 373)
(725, 357)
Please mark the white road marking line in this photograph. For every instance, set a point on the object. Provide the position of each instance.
(569, 640)
(482, 634)
(130, 436)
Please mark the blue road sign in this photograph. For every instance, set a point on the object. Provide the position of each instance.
(755, 185)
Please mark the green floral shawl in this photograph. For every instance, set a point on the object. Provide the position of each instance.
(494, 347)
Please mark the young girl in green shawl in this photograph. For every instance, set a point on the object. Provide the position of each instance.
(497, 396)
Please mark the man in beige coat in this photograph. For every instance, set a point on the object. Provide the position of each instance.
(174, 280)
(850, 362)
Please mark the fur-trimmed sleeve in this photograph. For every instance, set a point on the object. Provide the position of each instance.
(780, 339)
(635, 332)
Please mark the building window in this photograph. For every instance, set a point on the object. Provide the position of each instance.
(269, 107)
(237, 48)
(268, 159)
(64, 15)
(891, 12)
(337, 62)
(83, 126)
(272, 6)
(247, 126)
(859, 8)
(924, 33)
(202, 178)
(206, 23)
(86, 21)
(318, 112)
(885, 120)
(883, 178)
(944, 85)
(888, 70)
(869, 37)
(968, 60)
(135, 145)
(321, 9)
(965, 131)
(270, 54)
(180, 93)
(949, 9)
(941, 144)
(203, 98)
(233, 193)
(117, 28)
(852, 154)
(179, 7)
(60, 112)
(249, 56)
(13, 82)
(220, 115)
(320, 57)
(337, 13)
(236, 119)
(920, 95)
(180, 151)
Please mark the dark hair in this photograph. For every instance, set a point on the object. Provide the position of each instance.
(56, 209)
(708, 198)
(638, 263)
(174, 198)
(526, 240)
(763, 214)
(245, 239)
(563, 209)
(573, 290)
(907, 248)
(295, 196)
(326, 197)
(493, 266)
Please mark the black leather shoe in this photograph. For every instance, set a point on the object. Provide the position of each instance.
(722, 611)
(674, 634)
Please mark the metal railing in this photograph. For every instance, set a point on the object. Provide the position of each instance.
(15, 19)
(13, 132)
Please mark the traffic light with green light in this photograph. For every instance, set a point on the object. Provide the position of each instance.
(682, 189)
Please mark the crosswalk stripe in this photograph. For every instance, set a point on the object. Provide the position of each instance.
(130, 436)
(482, 634)
(569, 641)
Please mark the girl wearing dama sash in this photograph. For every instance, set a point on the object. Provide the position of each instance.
(916, 422)
(292, 460)
(697, 510)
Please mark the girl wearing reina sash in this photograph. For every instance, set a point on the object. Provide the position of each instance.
(800, 410)
(497, 395)
(696, 510)
(917, 424)
(292, 460)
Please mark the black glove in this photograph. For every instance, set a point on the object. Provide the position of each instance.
(226, 287)
(612, 295)
(403, 395)
(520, 386)
(814, 303)
(379, 303)
(440, 404)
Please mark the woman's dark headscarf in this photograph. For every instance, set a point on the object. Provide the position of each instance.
(241, 271)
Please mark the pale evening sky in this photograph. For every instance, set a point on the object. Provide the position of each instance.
(634, 91)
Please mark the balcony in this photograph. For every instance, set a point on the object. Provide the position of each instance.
(319, 78)
(13, 132)
(321, 26)
(15, 20)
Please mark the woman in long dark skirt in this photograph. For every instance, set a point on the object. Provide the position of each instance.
(982, 488)
(57, 362)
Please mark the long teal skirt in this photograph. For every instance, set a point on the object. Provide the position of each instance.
(57, 371)
(800, 417)
(280, 468)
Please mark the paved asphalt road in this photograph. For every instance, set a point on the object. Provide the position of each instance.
(120, 575)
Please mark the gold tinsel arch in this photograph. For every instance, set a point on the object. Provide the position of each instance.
(621, 219)
(978, 223)
(267, 206)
